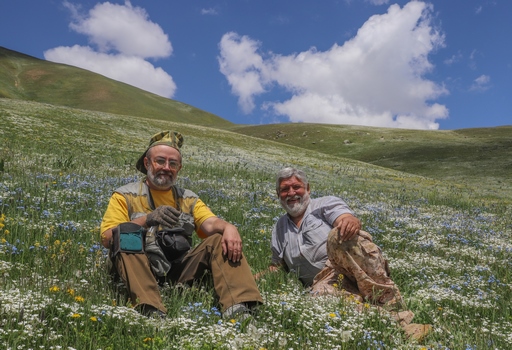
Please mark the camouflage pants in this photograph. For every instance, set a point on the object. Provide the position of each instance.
(357, 268)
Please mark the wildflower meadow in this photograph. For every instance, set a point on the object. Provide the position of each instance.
(449, 246)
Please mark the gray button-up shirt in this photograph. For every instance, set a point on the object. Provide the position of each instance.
(303, 249)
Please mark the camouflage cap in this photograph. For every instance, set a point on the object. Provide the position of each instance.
(169, 138)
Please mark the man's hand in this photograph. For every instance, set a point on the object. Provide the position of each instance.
(232, 243)
(348, 226)
(260, 274)
(164, 215)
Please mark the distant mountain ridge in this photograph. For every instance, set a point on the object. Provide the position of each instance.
(28, 78)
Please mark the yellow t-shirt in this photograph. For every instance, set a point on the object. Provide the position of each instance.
(117, 210)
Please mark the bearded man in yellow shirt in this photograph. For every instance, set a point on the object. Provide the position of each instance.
(148, 227)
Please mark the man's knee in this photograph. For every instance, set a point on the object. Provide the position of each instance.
(211, 244)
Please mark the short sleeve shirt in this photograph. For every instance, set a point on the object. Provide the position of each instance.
(303, 249)
(117, 211)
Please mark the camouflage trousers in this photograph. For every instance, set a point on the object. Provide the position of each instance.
(357, 269)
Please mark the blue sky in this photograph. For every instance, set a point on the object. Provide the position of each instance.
(443, 64)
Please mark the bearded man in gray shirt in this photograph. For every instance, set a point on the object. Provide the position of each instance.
(322, 242)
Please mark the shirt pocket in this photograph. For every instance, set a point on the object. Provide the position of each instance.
(314, 231)
(314, 238)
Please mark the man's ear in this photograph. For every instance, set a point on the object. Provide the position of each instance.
(146, 162)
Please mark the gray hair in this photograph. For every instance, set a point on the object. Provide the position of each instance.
(286, 173)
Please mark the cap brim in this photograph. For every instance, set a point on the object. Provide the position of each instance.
(140, 164)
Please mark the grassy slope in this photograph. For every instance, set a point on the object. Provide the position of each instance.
(205, 143)
(449, 246)
(478, 157)
(28, 78)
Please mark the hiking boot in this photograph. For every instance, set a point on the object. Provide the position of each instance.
(151, 311)
(416, 331)
(240, 311)
(403, 317)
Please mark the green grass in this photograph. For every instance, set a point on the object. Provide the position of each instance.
(465, 156)
(448, 242)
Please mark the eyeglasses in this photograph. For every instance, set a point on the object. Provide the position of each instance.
(295, 188)
(161, 162)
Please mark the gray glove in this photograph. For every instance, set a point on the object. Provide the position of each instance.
(164, 215)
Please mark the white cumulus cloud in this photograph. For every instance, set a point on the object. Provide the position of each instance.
(377, 78)
(122, 39)
(243, 67)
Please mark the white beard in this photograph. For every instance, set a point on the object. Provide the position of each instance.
(296, 209)
(160, 182)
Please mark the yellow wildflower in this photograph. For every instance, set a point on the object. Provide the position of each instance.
(71, 291)
(147, 340)
(79, 299)
(54, 289)
(93, 319)
(75, 315)
(332, 314)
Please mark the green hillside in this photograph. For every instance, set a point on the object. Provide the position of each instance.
(448, 244)
(28, 78)
(438, 203)
(475, 157)
(479, 157)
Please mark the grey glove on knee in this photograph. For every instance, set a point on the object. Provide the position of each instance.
(164, 215)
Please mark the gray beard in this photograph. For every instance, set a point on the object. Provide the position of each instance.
(298, 208)
(161, 183)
